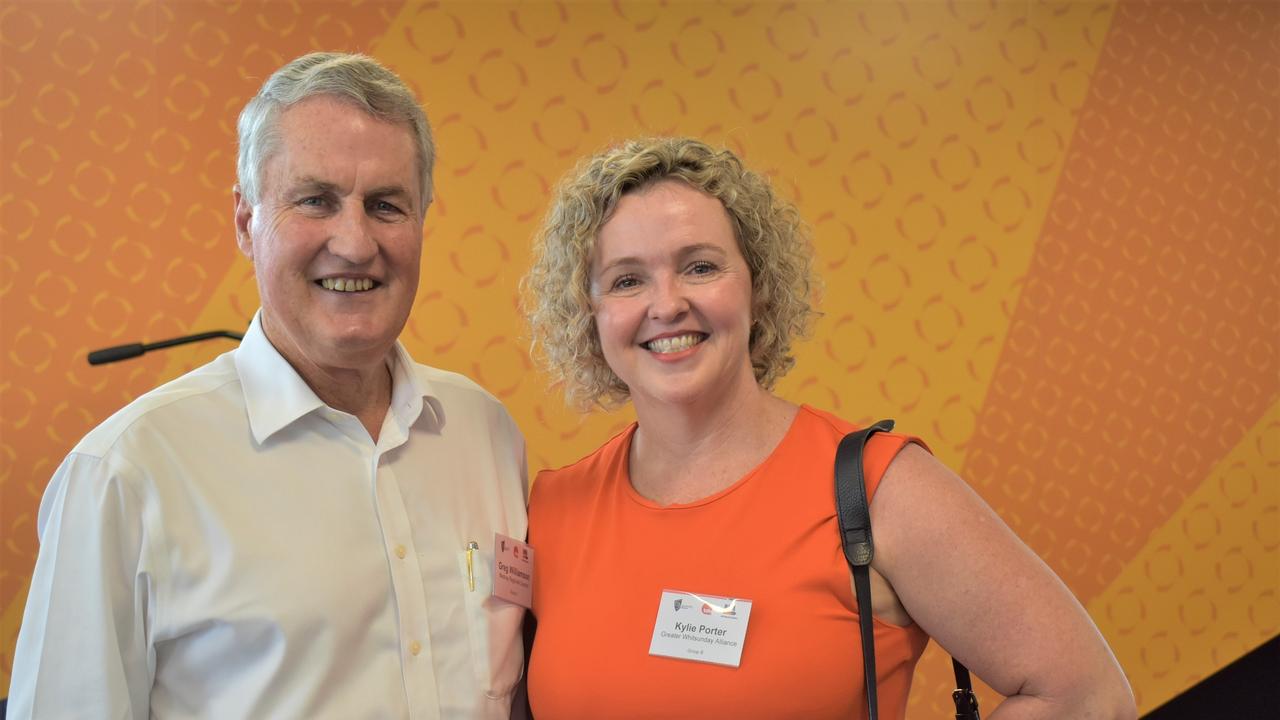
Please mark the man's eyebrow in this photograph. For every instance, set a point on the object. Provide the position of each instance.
(312, 184)
(389, 191)
(308, 184)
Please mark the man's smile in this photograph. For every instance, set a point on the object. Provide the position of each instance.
(347, 284)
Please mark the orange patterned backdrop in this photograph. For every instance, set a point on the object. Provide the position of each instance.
(1047, 232)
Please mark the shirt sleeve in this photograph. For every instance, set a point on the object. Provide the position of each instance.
(84, 648)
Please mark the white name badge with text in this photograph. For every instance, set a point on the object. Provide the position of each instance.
(512, 570)
(704, 628)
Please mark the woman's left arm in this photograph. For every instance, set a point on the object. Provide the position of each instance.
(969, 582)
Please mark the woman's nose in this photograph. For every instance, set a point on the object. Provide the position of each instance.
(669, 301)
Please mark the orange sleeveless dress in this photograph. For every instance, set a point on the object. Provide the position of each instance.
(605, 554)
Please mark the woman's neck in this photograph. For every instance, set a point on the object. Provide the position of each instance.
(682, 453)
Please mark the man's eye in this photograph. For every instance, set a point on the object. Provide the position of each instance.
(313, 201)
(385, 209)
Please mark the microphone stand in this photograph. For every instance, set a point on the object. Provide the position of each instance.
(132, 350)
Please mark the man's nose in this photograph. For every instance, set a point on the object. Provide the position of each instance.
(351, 235)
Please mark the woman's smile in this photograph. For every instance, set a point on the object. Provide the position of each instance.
(672, 344)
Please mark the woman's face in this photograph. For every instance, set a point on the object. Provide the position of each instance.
(672, 297)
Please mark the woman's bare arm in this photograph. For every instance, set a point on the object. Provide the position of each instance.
(969, 582)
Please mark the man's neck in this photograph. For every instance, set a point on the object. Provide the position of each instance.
(363, 391)
(367, 395)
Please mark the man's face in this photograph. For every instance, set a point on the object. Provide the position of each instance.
(335, 237)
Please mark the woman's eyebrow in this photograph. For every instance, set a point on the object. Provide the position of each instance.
(701, 247)
(627, 261)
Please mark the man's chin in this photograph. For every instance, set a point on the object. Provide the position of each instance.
(357, 349)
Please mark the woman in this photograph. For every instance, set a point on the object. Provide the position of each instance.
(668, 274)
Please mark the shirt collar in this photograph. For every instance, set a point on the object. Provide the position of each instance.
(275, 395)
(411, 395)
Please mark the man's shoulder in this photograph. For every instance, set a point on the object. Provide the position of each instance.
(157, 409)
(457, 391)
(452, 382)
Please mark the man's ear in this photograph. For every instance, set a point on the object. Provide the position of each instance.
(243, 214)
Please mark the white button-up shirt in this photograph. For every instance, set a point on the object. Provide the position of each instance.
(227, 546)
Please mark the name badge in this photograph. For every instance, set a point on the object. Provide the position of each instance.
(512, 570)
(705, 628)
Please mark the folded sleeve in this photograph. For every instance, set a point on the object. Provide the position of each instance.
(84, 649)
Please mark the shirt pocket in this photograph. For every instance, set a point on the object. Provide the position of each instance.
(494, 625)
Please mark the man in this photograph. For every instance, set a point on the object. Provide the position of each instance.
(304, 527)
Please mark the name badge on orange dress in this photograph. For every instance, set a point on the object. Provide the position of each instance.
(703, 628)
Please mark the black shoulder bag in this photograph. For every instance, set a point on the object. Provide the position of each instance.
(855, 534)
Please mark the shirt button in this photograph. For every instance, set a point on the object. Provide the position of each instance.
(415, 647)
(400, 553)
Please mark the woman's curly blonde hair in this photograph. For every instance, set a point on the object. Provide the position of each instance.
(557, 290)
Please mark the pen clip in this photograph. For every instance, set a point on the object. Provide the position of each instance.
(471, 573)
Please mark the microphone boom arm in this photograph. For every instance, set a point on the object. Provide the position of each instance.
(132, 350)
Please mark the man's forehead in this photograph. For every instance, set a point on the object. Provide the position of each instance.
(321, 139)
(334, 114)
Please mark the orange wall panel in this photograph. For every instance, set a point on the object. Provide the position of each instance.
(1046, 230)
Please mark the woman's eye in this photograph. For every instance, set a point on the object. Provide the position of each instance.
(702, 268)
(626, 282)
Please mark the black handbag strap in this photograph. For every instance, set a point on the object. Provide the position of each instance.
(855, 534)
(854, 517)
(966, 702)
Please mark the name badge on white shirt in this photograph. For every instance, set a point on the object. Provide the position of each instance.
(705, 628)
(512, 570)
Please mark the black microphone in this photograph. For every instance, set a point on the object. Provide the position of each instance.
(132, 350)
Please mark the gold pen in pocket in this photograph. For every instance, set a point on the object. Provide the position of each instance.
(472, 547)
